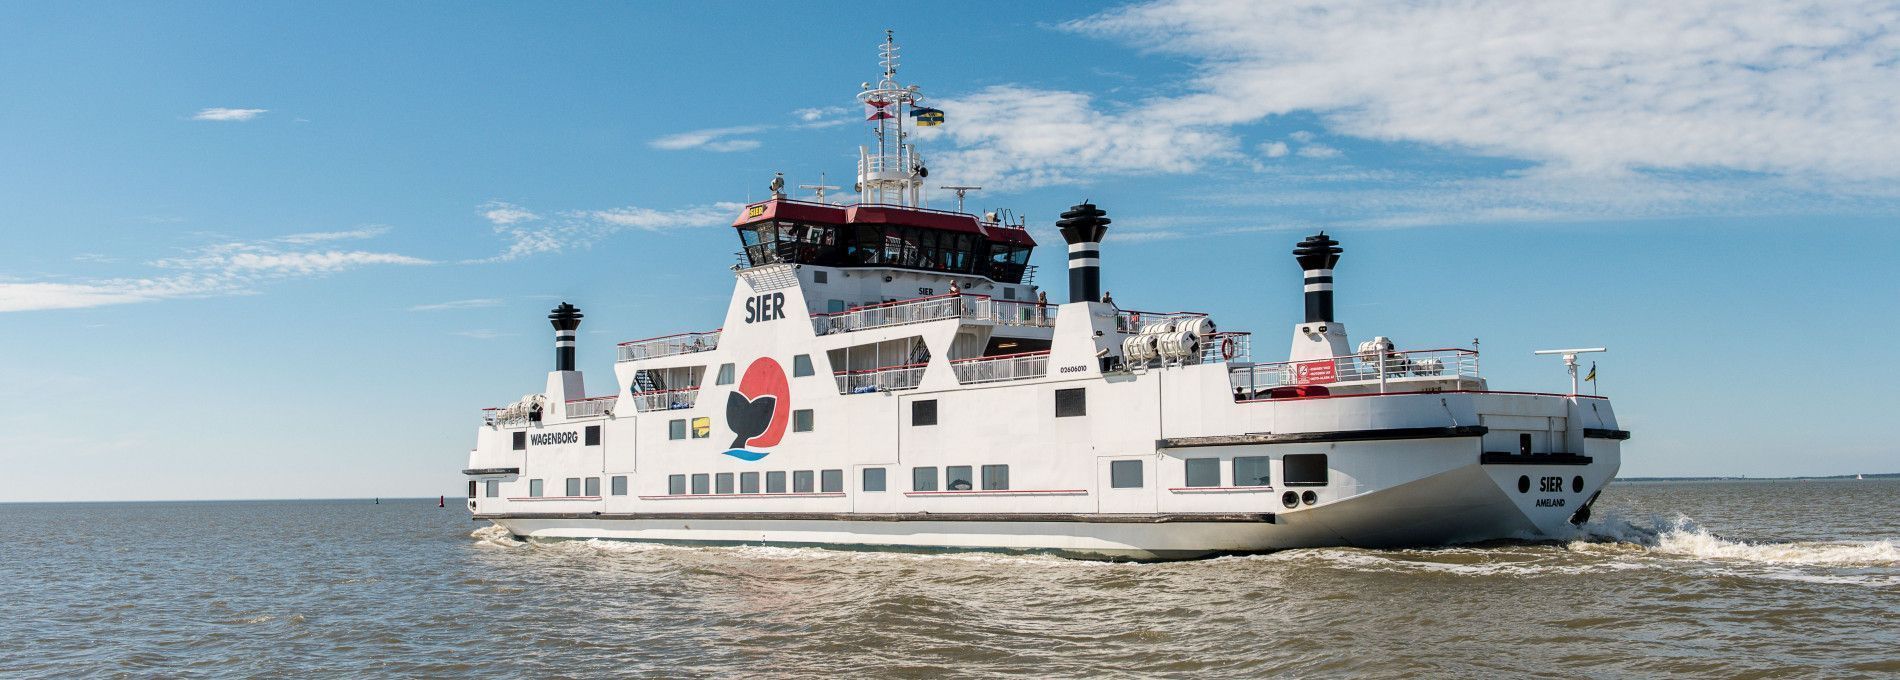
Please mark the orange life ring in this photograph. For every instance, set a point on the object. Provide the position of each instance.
(1227, 348)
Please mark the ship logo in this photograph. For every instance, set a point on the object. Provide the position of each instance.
(758, 410)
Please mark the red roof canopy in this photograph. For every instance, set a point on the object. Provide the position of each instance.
(785, 209)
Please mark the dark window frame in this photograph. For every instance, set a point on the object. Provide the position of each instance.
(1072, 402)
(950, 477)
(804, 481)
(923, 413)
(866, 477)
(831, 481)
(1295, 469)
(995, 478)
(1115, 468)
(676, 485)
(775, 481)
(920, 475)
(1192, 466)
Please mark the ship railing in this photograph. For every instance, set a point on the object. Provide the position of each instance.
(591, 407)
(1357, 369)
(1227, 347)
(881, 379)
(1021, 313)
(1023, 366)
(665, 400)
(934, 308)
(1132, 321)
(669, 345)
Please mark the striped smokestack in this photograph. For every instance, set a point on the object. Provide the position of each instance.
(1317, 255)
(566, 318)
(1083, 226)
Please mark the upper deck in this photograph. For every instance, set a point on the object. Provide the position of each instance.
(782, 230)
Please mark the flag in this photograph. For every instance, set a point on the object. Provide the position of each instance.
(926, 116)
(874, 113)
(1593, 373)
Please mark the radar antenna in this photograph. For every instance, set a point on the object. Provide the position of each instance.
(1570, 361)
(820, 188)
(960, 191)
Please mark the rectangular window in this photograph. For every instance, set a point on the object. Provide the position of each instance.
(676, 429)
(722, 483)
(801, 481)
(831, 481)
(874, 479)
(1252, 471)
(521, 441)
(958, 478)
(801, 420)
(835, 306)
(702, 427)
(775, 482)
(923, 479)
(995, 477)
(494, 488)
(620, 485)
(748, 482)
(725, 375)
(1009, 293)
(1304, 469)
(573, 487)
(1203, 472)
(471, 488)
(820, 277)
(593, 486)
(1124, 474)
(534, 488)
(1072, 402)
(702, 483)
(801, 365)
(593, 435)
(923, 412)
(676, 485)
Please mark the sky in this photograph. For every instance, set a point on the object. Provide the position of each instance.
(281, 250)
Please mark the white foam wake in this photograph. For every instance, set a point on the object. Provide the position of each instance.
(494, 534)
(1683, 537)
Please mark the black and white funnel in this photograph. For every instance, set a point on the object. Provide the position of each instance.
(1317, 255)
(566, 319)
(1083, 226)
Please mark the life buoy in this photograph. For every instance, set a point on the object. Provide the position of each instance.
(1227, 348)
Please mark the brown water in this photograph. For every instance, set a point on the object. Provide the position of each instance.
(1718, 579)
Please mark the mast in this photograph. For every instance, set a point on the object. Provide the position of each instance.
(891, 173)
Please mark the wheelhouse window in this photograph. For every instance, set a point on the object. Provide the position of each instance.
(923, 479)
(995, 477)
(1203, 472)
(943, 249)
(1252, 471)
(831, 481)
(1124, 474)
(958, 478)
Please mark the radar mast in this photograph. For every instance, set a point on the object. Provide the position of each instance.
(892, 172)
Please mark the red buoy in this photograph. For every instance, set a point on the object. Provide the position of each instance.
(442, 502)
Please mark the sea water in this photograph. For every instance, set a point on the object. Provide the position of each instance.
(1720, 579)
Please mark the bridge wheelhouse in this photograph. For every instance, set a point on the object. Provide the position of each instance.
(798, 232)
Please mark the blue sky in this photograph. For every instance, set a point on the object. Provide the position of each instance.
(272, 250)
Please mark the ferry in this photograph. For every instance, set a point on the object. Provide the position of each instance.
(892, 376)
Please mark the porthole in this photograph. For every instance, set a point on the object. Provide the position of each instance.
(1309, 497)
(1290, 499)
(1524, 484)
(1576, 484)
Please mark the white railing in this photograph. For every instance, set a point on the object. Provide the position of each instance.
(1255, 380)
(1132, 321)
(591, 407)
(1000, 368)
(885, 379)
(934, 308)
(1227, 347)
(665, 400)
(666, 346)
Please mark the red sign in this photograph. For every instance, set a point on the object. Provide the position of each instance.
(1314, 372)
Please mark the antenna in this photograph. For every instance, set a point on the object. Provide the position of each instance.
(1570, 361)
(821, 187)
(960, 190)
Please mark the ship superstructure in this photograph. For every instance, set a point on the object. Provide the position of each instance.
(890, 375)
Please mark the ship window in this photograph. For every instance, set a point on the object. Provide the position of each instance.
(957, 478)
(1304, 469)
(1072, 402)
(702, 483)
(593, 435)
(1524, 443)
(820, 277)
(725, 375)
(676, 428)
(534, 488)
(801, 420)
(676, 485)
(834, 306)
(573, 487)
(1252, 471)
(748, 482)
(1009, 293)
(1203, 472)
(471, 488)
(493, 488)
(722, 483)
(801, 481)
(775, 482)
(874, 479)
(801, 365)
(923, 412)
(620, 485)
(995, 477)
(831, 481)
(593, 486)
(1124, 474)
(521, 441)
(702, 427)
(923, 479)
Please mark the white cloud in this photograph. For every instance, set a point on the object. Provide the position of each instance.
(712, 139)
(321, 236)
(229, 115)
(1017, 137)
(502, 214)
(458, 304)
(1273, 149)
(717, 214)
(1318, 151)
(822, 117)
(582, 228)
